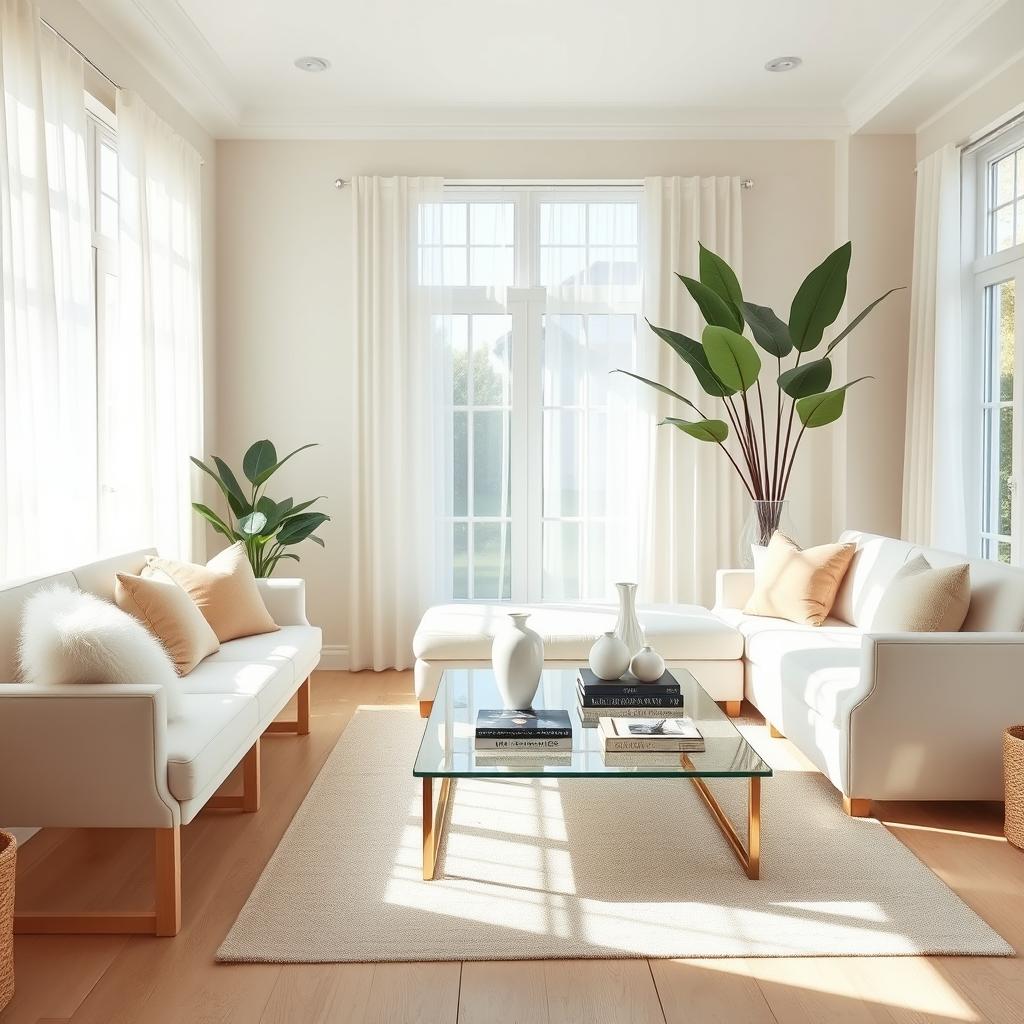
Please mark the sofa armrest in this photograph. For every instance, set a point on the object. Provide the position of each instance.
(933, 709)
(85, 756)
(733, 588)
(285, 600)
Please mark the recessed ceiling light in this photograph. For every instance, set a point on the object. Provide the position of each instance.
(313, 64)
(783, 64)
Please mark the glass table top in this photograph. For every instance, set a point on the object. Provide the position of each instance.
(447, 746)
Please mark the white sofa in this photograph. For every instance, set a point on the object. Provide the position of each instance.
(105, 756)
(911, 716)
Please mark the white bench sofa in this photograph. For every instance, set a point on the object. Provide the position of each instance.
(687, 636)
(905, 716)
(104, 756)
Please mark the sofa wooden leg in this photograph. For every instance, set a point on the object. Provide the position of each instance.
(425, 706)
(733, 708)
(251, 779)
(164, 920)
(300, 725)
(857, 807)
(776, 734)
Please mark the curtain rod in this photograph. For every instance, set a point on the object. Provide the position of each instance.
(746, 184)
(967, 147)
(91, 63)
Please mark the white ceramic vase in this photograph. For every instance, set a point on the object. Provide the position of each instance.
(609, 657)
(647, 665)
(627, 627)
(517, 655)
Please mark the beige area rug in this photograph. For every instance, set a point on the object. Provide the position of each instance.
(547, 868)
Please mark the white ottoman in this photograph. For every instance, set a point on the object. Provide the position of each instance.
(686, 636)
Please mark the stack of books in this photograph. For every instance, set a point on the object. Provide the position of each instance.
(504, 733)
(648, 740)
(599, 698)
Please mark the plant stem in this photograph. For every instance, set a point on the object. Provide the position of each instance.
(734, 416)
(764, 440)
(753, 444)
(739, 472)
(789, 470)
(778, 435)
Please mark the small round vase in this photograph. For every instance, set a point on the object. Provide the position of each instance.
(517, 655)
(609, 657)
(647, 665)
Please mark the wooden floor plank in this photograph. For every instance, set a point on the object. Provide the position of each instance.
(710, 991)
(503, 992)
(141, 980)
(610, 991)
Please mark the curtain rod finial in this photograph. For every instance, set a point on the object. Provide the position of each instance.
(746, 184)
(340, 183)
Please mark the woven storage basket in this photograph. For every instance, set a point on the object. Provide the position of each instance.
(8, 855)
(1013, 782)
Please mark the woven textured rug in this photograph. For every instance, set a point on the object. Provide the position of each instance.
(548, 868)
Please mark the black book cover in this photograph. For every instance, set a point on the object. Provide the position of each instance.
(673, 701)
(627, 686)
(506, 725)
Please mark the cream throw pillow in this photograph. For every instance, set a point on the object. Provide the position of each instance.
(799, 585)
(170, 615)
(224, 590)
(923, 599)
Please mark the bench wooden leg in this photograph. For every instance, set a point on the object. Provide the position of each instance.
(300, 724)
(165, 920)
(425, 706)
(733, 708)
(857, 807)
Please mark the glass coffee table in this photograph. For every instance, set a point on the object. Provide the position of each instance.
(447, 753)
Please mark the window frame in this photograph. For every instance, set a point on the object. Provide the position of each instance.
(526, 302)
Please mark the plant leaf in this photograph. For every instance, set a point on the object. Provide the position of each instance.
(720, 278)
(258, 459)
(659, 387)
(715, 310)
(268, 473)
(820, 410)
(771, 333)
(692, 353)
(732, 357)
(215, 521)
(860, 316)
(317, 540)
(233, 504)
(240, 505)
(809, 379)
(819, 299)
(252, 524)
(715, 431)
(298, 528)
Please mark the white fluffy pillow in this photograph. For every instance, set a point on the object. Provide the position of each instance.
(71, 637)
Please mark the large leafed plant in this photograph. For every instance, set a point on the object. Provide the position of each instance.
(762, 443)
(266, 527)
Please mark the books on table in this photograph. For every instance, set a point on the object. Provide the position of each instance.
(650, 735)
(527, 732)
(598, 698)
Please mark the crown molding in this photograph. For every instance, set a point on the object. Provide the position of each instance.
(912, 56)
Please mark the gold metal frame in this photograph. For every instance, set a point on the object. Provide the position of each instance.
(433, 822)
(749, 857)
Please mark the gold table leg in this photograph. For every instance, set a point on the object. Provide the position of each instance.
(433, 823)
(749, 856)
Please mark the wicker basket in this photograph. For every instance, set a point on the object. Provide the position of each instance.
(1013, 783)
(8, 856)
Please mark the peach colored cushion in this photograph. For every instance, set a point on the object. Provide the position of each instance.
(170, 615)
(224, 590)
(799, 585)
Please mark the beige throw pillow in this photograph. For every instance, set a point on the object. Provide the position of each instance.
(224, 590)
(170, 615)
(799, 585)
(923, 599)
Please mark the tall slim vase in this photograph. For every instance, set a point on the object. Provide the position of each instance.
(763, 519)
(627, 627)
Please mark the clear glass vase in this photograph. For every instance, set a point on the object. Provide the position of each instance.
(763, 519)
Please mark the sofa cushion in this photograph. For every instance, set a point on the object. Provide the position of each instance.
(270, 684)
(212, 733)
(298, 646)
(874, 564)
(924, 599)
(464, 632)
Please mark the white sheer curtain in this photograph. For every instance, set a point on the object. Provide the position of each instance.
(151, 380)
(397, 377)
(940, 434)
(696, 506)
(47, 352)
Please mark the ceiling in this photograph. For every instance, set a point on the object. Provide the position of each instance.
(550, 68)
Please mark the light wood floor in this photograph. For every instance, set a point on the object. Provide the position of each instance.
(114, 980)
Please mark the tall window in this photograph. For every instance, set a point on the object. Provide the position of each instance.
(998, 274)
(543, 299)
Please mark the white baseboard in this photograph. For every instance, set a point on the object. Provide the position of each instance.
(22, 835)
(334, 657)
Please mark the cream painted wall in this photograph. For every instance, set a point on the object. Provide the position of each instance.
(284, 250)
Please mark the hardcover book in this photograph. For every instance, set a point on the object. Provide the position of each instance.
(589, 717)
(505, 724)
(642, 734)
(645, 700)
(627, 686)
(536, 745)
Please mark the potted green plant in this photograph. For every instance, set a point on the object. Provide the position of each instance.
(266, 527)
(762, 443)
